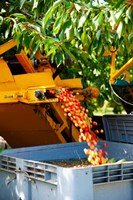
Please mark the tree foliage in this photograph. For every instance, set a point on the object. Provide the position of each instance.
(73, 34)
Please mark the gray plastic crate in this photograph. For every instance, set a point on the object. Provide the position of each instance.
(118, 128)
(25, 175)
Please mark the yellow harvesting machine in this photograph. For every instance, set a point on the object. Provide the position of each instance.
(29, 116)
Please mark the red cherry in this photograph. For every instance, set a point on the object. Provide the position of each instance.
(105, 144)
(96, 131)
(94, 123)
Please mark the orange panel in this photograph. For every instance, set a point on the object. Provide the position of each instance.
(25, 62)
(22, 127)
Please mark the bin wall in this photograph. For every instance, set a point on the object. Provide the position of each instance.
(69, 151)
(31, 179)
(118, 128)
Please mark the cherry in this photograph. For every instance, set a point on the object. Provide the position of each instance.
(79, 117)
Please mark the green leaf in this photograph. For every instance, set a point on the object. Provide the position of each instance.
(26, 40)
(76, 33)
(95, 21)
(119, 13)
(77, 7)
(69, 53)
(119, 16)
(120, 29)
(68, 29)
(126, 19)
(67, 24)
(112, 160)
(98, 20)
(82, 21)
(49, 13)
(130, 37)
(57, 92)
(129, 13)
(7, 32)
(100, 48)
(1, 149)
(130, 27)
(35, 4)
(21, 3)
(101, 15)
(62, 35)
(2, 11)
(112, 19)
(18, 37)
(18, 15)
(57, 25)
(98, 34)
(49, 43)
(84, 37)
(69, 33)
(32, 41)
(34, 50)
(59, 58)
(53, 49)
(1, 20)
(84, 57)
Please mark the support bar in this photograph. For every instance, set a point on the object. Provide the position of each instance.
(7, 46)
(121, 70)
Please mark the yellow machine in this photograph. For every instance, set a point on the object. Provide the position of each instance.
(123, 89)
(29, 116)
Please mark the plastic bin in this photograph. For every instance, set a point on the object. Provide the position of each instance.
(118, 128)
(25, 175)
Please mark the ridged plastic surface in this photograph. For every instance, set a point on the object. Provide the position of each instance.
(27, 179)
(118, 128)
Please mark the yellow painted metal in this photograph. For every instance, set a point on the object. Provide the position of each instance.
(29, 97)
(112, 66)
(8, 97)
(112, 52)
(75, 133)
(43, 79)
(109, 52)
(59, 133)
(60, 116)
(127, 76)
(43, 110)
(5, 72)
(121, 70)
(69, 83)
(21, 88)
(7, 46)
(24, 96)
(113, 73)
(58, 127)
